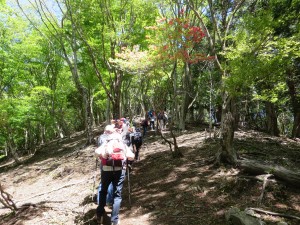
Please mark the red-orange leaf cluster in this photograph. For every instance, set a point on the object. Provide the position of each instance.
(181, 38)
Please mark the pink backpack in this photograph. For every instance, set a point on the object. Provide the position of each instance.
(115, 150)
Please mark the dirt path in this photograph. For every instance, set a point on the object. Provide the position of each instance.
(57, 185)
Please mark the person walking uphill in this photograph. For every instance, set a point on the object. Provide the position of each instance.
(114, 154)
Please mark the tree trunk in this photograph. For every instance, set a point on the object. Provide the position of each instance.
(176, 153)
(292, 83)
(107, 112)
(272, 126)
(11, 147)
(185, 96)
(62, 125)
(26, 140)
(296, 125)
(175, 113)
(89, 120)
(292, 177)
(42, 134)
(116, 101)
(228, 153)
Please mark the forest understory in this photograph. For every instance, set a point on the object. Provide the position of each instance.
(58, 184)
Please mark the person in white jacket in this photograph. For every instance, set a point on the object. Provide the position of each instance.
(112, 171)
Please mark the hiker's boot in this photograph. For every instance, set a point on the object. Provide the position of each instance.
(99, 220)
(115, 223)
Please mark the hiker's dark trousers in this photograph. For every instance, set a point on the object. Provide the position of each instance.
(137, 150)
(117, 178)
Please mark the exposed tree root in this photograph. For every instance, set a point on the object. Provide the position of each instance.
(274, 213)
(6, 200)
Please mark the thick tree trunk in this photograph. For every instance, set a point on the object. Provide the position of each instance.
(189, 92)
(296, 125)
(291, 177)
(292, 83)
(116, 101)
(186, 98)
(116, 109)
(12, 149)
(228, 153)
(272, 126)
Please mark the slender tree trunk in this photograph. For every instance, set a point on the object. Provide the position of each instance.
(107, 112)
(62, 125)
(42, 133)
(88, 117)
(182, 113)
(31, 138)
(26, 139)
(175, 113)
(58, 130)
(82, 90)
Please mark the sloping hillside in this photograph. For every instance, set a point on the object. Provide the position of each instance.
(57, 185)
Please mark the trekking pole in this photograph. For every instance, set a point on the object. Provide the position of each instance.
(129, 192)
(94, 179)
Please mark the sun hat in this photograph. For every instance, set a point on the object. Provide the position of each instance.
(109, 128)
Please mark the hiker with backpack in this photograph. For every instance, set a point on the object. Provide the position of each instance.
(114, 154)
(145, 125)
(102, 139)
(128, 141)
(160, 118)
(152, 118)
(165, 119)
(137, 141)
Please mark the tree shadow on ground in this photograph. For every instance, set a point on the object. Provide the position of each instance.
(181, 191)
(55, 149)
(24, 213)
(51, 150)
(190, 190)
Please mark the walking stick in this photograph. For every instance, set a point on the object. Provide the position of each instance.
(129, 192)
(94, 178)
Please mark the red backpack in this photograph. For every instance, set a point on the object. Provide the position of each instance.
(115, 149)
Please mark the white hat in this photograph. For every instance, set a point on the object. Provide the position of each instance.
(110, 128)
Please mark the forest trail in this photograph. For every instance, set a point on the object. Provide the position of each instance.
(56, 186)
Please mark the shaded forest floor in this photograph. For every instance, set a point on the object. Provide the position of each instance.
(56, 185)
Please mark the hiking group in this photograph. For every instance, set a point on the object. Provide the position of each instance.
(118, 147)
(161, 120)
